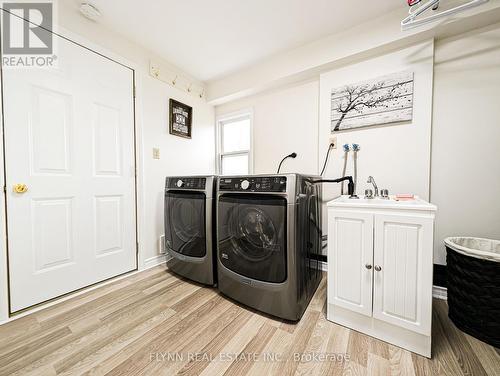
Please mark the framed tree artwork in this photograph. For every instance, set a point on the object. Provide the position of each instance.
(384, 100)
(180, 119)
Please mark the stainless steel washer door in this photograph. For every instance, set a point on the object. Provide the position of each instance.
(185, 223)
(252, 236)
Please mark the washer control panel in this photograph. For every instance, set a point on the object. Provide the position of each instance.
(186, 183)
(254, 184)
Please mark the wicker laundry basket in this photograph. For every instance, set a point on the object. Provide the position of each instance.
(473, 268)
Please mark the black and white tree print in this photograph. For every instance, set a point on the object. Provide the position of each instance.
(385, 100)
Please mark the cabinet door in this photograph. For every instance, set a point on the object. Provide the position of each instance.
(402, 291)
(350, 249)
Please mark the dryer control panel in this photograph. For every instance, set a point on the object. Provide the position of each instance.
(253, 184)
(186, 183)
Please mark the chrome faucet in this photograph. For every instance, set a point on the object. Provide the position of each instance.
(371, 180)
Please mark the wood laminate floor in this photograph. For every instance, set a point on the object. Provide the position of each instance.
(154, 323)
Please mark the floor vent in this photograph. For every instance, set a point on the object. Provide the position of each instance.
(161, 245)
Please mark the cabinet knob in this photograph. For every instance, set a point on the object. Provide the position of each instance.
(378, 268)
(368, 266)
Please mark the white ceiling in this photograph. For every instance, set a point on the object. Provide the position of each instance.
(212, 38)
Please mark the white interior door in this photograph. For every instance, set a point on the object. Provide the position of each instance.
(350, 241)
(69, 137)
(403, 286)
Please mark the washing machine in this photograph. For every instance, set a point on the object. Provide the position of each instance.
(189, 211)
(269, 241)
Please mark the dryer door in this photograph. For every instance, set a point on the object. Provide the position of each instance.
(185, 223)
(252, 236)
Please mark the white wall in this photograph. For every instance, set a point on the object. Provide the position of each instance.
(284, 121)
(465, 155)
(69, 17)
(178, 156)
(398, 155)
(466, 137)
(360, 42)
(297, 119)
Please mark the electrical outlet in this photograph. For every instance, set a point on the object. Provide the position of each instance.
(333, 141)
(156, 153)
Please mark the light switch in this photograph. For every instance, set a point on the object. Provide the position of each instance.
(156, 153)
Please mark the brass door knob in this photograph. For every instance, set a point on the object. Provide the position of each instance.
(20, 188)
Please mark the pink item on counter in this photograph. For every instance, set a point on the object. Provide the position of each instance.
(405, 197)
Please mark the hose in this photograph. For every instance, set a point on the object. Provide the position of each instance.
(326, 159)
(346, 153)
(355, 148)
(350, 184)
(355, 178)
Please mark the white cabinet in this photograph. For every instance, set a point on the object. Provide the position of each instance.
(402, 289)
(380, 260)
(352, 242)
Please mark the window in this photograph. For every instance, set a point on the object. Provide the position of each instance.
(234, 146)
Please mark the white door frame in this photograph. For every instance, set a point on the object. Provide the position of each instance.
(139, 188)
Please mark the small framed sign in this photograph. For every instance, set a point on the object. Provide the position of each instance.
(181, 116)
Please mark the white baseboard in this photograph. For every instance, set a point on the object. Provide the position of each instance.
(154, 261)
(437, 291)
(324, 266)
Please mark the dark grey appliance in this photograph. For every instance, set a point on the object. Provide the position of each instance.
(269, 241)
(189, 214)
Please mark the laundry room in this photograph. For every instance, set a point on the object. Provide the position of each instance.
(285, 187)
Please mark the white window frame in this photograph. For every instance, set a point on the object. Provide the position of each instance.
(230, 117)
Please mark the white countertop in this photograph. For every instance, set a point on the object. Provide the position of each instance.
(379, 203)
